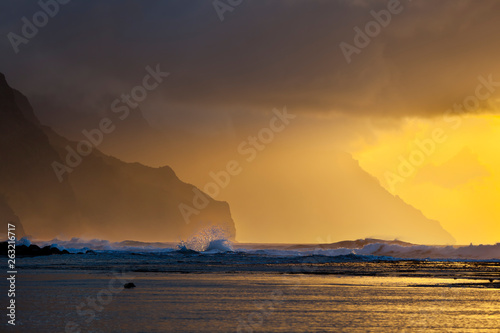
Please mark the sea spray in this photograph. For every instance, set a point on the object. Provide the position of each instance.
(213, 238)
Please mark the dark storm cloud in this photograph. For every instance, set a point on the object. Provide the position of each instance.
(264, 54)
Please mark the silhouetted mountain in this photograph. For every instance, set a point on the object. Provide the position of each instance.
(375, 210)
(101, 197)
(26, 176)
(336, 199)
(7, 217)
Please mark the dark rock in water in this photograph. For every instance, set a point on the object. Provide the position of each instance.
(32, 250)
(182, 248)
(129, 285)
(188, 251)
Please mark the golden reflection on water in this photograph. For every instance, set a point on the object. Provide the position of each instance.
(265, 303)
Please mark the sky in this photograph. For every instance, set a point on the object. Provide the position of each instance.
(414, 100)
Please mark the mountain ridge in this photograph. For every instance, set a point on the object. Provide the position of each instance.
(102, 197)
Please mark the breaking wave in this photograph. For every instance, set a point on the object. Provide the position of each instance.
(215, 240)
(212, 239)
(378, 251)
(78, 245)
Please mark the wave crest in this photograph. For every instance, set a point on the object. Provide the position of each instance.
(214, 238)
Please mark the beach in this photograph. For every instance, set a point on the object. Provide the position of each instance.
(242, 292)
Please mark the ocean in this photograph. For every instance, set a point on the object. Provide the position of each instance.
(217, 286)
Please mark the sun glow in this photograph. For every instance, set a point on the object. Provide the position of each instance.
(456, 182)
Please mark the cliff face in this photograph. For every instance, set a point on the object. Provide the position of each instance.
(379, 213)
(102, 197)
(7, 217)
(336, 200)
(26, 177)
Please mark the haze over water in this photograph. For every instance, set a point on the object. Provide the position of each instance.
(249, 166)
(226, 287)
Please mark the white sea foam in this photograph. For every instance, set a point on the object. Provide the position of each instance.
(215, 239)
(23, 241)
(472, 252)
